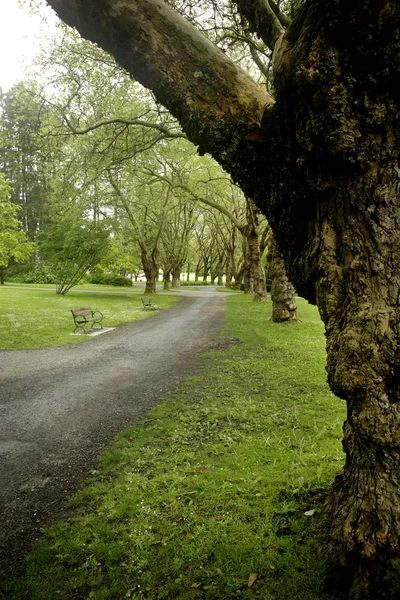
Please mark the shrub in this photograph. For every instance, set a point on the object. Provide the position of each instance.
(32, 273)
(110, 279)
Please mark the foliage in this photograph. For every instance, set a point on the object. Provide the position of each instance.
(27, 157)
(217, 493)
(110, 279)
(38, 318)
(74, 246)
(13, 242)
(42, 272)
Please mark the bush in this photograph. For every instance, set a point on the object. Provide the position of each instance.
(110, 279)
(32, 273)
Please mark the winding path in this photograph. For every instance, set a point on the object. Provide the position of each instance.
(59, 407)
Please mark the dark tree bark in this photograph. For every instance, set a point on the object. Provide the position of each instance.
(166, 279)
(284, 305)
(323, 164)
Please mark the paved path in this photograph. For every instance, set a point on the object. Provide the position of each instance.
(60, 406)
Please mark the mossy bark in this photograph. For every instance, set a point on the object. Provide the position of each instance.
(283, 298)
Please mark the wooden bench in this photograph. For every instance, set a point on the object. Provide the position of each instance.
(86, 316)
(149, 304)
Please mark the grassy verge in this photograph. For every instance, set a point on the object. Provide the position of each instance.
(37, 318)
(217, 493)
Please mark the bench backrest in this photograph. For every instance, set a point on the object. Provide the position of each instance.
(82, 312)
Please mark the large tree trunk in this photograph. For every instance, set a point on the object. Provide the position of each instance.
(338, 147)
(323, 165)
(151, 280)
(284, 305)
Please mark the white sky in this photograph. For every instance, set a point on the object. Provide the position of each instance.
(20, 36)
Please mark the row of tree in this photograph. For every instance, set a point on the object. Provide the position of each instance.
(105, 178)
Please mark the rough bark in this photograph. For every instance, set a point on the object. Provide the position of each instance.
(255, 282)
(340, 123)
(176, 276)
(322, 163)
(151, 272)
(283, 298)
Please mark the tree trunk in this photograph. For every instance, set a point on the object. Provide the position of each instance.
(342, 242)
(1, 275)
(197, 271)
(282, 292)
(256, 270)
(151, 280)
(150, 269)
(166, 279)
(228, 274)
(254, 275)
(220, 272)
(176, 276)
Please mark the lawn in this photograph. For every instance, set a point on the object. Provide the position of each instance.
(218, 493)
(36, 317)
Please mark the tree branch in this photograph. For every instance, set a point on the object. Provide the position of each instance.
(139, 122)
(217, 104)
(201, 199)
(262, 20)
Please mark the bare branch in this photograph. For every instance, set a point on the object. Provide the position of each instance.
(139, 122)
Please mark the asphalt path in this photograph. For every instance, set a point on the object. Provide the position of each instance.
(59, 407)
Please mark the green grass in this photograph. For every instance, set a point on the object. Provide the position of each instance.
(214, 484)
(37, 318)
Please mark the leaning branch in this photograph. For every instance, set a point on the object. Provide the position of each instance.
(218, 105)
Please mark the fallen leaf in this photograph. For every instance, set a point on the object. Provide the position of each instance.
(220, 518)
(252, 579)
(310, 513)
(196, 585)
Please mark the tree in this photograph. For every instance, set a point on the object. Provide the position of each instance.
(26, 157)
(75, 246)
(320, 158)
(13, 242)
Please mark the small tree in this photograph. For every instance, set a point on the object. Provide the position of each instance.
(13, 241)
(74, 246)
